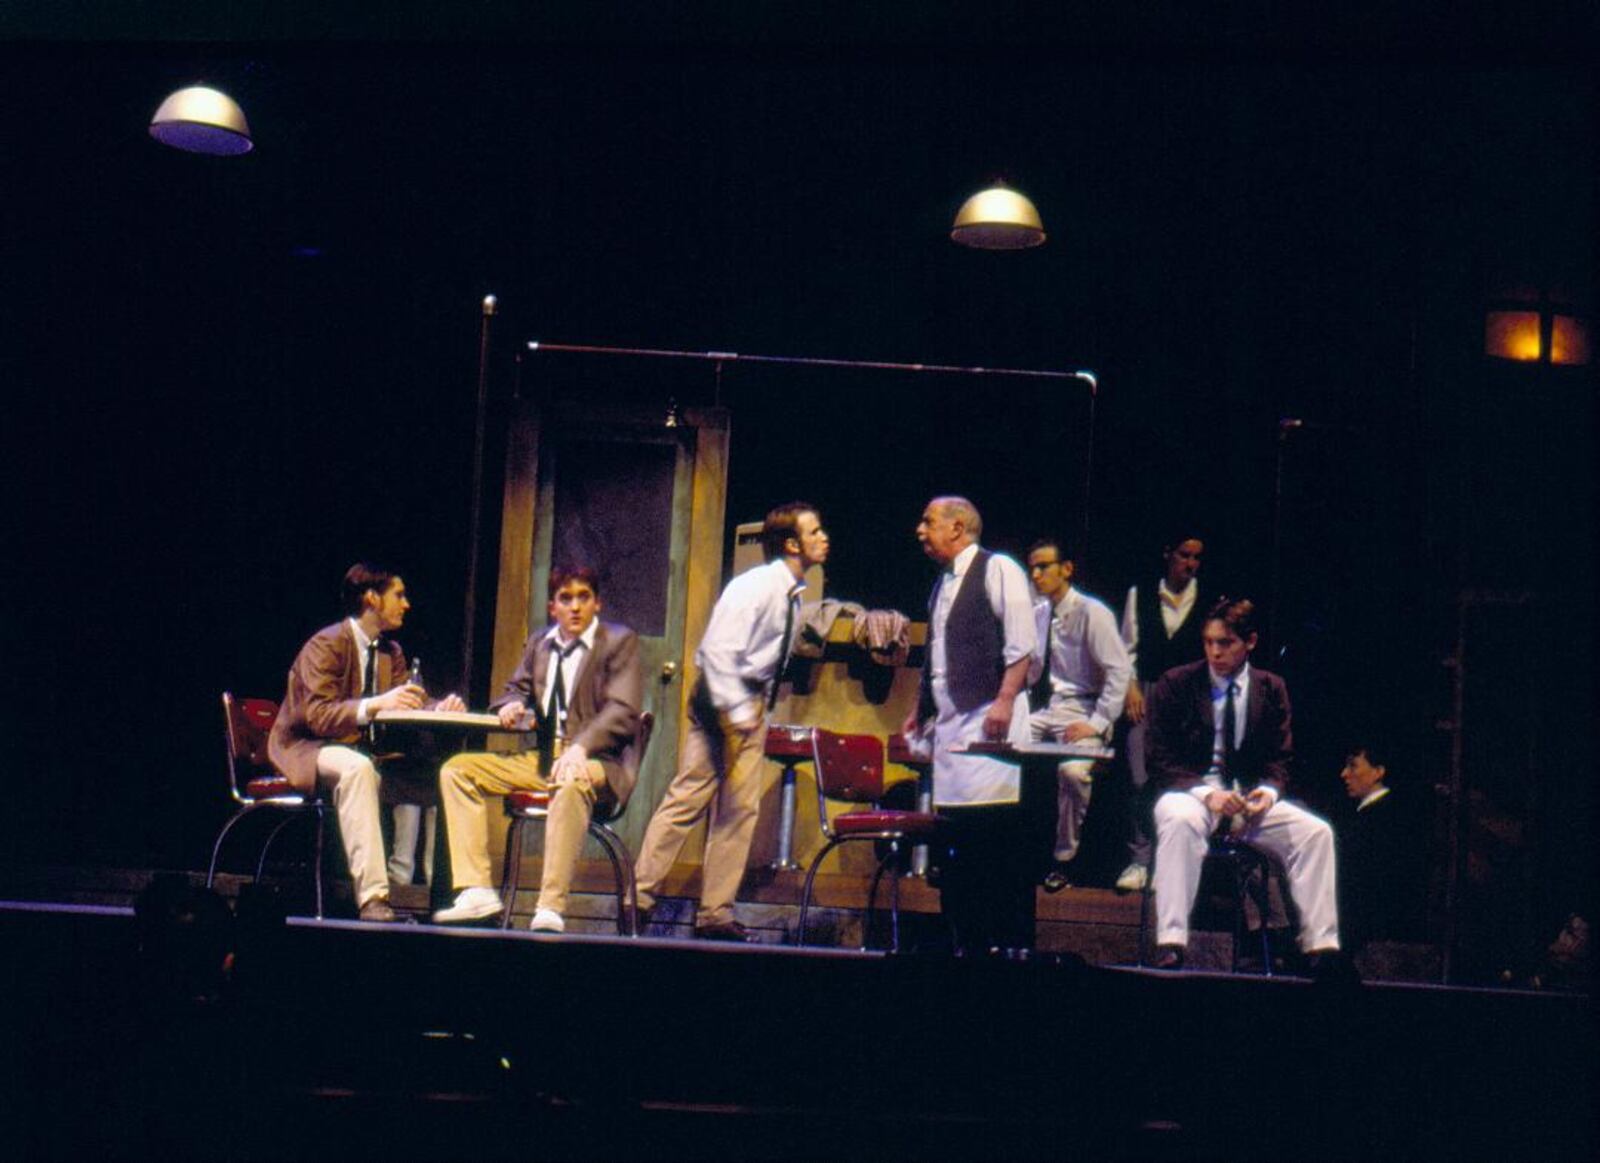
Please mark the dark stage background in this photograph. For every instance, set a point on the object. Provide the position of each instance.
(226, 380)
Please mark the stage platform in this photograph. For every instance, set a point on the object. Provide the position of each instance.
(338, 1039)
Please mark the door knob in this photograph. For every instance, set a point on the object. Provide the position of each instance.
(669, 671)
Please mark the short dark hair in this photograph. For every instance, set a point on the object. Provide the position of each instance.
(1183, 534)
(1237, 614)
(560, 575)
(361, 577)
(1063, 550)
(1376, 754)
(781, 524)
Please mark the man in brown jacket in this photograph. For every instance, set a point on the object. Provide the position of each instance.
(579, 685)
(340, 680)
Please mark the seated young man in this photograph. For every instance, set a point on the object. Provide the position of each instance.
(1220, 743)
(344, 676)
(579, 684)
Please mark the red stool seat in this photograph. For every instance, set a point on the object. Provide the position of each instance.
(914, 824)
(272, 787)
(528, 801)
(791, 743)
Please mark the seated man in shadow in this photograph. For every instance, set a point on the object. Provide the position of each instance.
(1383, 844)
(579, 683)
(1220, 744)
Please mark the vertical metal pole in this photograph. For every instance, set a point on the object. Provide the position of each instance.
(475, 524)
(919, 854)
(786, 802)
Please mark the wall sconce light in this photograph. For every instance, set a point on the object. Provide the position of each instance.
(1536, 328)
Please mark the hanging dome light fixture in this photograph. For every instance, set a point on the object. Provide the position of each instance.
(200, 119)
(998, 218)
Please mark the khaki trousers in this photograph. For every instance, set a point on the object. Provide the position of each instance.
(354, 780)
(465, 779)
(720, 772)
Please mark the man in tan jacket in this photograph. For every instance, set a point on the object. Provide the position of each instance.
(342, 677)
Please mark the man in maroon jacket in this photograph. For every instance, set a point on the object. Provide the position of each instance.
(340, 680)
(1220, 743)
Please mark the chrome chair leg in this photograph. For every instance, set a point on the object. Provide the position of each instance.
(216, 849)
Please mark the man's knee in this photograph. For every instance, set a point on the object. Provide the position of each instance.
(1180, 810)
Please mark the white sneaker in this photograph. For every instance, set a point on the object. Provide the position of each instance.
(547, 921)
(472, 904)
(1133, 878)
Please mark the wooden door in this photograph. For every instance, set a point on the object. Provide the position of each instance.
(644, 503)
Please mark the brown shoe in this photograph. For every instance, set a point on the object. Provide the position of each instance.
(379, 912)
(722, 931)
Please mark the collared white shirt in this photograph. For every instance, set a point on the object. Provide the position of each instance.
(1088, 663)
(1219, 699)
(569, 665)
(959, 778)
(1010, 597)
(1175, 609)
(1372, 797)
(743, 643)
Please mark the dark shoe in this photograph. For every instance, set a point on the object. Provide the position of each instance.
(722, 931)
(379, 912)
(1056, 880)
(1332, 967)
(1169, 957)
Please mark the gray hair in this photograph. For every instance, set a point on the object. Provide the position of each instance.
(963, 510)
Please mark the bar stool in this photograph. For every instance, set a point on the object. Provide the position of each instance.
(789, 746)
(1243, 862)
(522, 807)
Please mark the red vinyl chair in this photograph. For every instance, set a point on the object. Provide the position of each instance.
(255, 784)
(522, 807)
(850, 770)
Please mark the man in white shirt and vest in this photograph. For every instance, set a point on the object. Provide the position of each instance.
(981, 639)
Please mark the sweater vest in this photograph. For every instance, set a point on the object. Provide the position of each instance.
(974, 644)
(1157, 653)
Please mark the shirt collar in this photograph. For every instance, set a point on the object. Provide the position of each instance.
(1372, 797)
(1181, 596)
(961, 561)
(1218, 685)
(1068, 600)
(587, 637)
(362, 641)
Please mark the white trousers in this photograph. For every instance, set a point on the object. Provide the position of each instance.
(409, 819)
(1299, 841)
(1074, 777)
(354, 780)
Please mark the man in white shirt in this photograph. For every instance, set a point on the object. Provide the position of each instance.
(1083, 675)
(1161, 628)
(741, 658)
(981, 640)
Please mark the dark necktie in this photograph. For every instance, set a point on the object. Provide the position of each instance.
(558, 696)
(783, 651)
(1230, 750)
(369, 685)
(1039, 697)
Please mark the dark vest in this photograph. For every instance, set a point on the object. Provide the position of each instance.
(1158, 653)
(975, 642)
